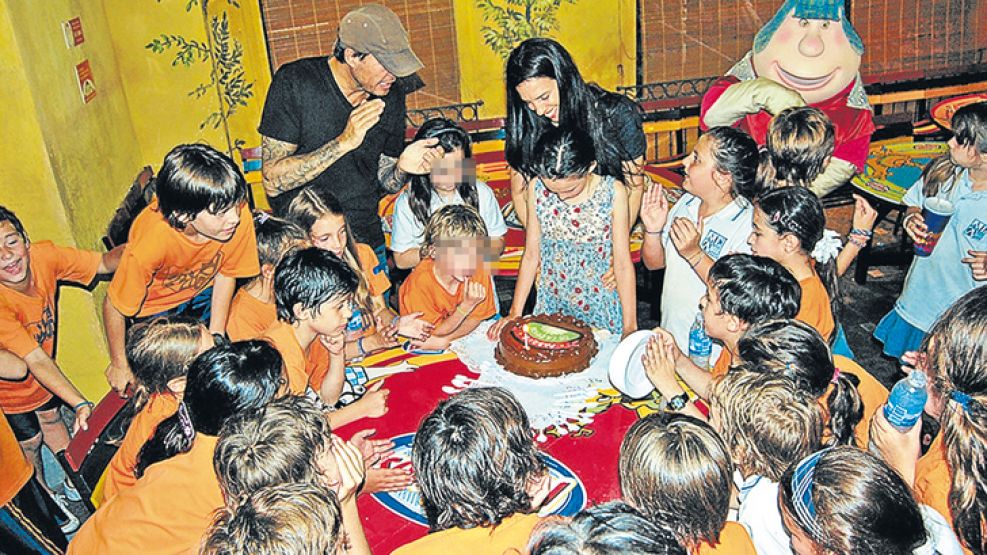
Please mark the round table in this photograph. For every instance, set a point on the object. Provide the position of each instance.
(942, 112)
(587, 458)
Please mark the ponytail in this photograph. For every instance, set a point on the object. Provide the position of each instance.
(170, 438)
(846, 409)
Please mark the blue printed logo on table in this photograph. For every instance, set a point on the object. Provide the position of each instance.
(977, 230)
(568, 495)
(713, 243)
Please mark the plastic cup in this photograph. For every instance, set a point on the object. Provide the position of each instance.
(936, 213)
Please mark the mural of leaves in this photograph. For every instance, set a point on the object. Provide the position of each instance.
(227, 78)
(511, 22)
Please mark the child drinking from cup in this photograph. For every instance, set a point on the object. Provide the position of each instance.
(936, 280)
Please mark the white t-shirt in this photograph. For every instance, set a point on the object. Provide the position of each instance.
(723, 233)
(760, 514)
(407, 232)
(941, 538)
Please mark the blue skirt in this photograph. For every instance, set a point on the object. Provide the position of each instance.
(840, 345)
(897, 335)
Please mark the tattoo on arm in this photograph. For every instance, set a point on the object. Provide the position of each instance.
(391, 178)
(284, 172)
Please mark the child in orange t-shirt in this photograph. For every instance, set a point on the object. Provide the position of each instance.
(612, 527)
(185, 250)
(741, 291)
(159, 351)
(848, 395)
(450, 288)
(253, 309)
(373, 325)
(677, 472)
(172, 504)
(32, 387)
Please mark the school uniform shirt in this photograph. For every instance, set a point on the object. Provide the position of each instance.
(933, 478)
(512, 532)
(249, 316)
(167, 511)
(734, 540)
(302, 367)
(723, 364)
(759, 513)
(422, 292)
(27, 322)
(16, 468)
(120, 472)
(940, 538)
(161, 268)
(872, 393)
(937, 281)
(408, 233)
(815, 309)
(722, 233)
(373, 270)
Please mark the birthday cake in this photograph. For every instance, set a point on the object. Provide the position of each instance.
(545, 346)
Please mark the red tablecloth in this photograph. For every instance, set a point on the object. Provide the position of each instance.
(591, 453)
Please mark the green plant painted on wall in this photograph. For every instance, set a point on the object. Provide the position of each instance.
(511, 22)
(224, 53)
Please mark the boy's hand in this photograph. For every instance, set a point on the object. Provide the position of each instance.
(417, 158)
(82, 415)
(431, 343)
(119, 376)
(493, 332)
(668, 340)
(413, 326)
(388, 479)
(864, 215)
(900, 450)
(685, 237)
(373, 450)
(978, 264)
(374, 401)
(351, 470)
(659, 363)
(654, 208)
(336, 344)
(474, 294)
(361, 119)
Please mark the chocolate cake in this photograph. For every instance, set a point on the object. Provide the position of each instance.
(545, 346)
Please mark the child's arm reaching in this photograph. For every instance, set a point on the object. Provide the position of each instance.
(698, 379)
(351, 476)
(118, 373)
(373, 404)
(864, 217)
(528, 271)
(223, 288)
(622, 266)
(654, 215)
(460, 323)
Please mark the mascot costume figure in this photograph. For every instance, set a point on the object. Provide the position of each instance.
(808, 53)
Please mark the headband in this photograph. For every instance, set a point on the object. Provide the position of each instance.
(805, 509)
(962, 399)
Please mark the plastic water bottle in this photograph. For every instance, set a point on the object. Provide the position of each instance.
(906, 401)
(700, 345)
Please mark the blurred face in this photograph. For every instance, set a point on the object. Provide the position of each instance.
(219, 226)
(451, 170)
(329, 234)
(965, 156)
(541, 96)
(717, 323)
(801, 543)
(567, 188)
(14, 261)
(700, 169)
(333, 315)
(462, 257)
(810, 56)
(764, 240)
(369, 74)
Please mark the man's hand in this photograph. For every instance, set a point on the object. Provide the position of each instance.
(361, 119)
(417, 158)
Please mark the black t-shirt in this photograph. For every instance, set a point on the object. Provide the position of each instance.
(305, 107)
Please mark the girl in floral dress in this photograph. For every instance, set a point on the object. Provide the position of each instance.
(577, 227)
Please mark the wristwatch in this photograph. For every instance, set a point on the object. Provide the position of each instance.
(678, 402)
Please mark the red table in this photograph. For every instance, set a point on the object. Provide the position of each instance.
(591, 453)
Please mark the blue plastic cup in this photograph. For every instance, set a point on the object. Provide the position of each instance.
(936, 213)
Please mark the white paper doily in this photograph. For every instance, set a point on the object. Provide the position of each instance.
(549, 402)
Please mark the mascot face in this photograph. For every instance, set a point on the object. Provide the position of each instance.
(811, 56)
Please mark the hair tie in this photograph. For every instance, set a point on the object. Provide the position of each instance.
(805, 508)
(828, 247)
(836, 376)
(262, 217)
(962, 399)
(776, 216)
(185, 420)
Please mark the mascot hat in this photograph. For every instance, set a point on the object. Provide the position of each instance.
(833, 10)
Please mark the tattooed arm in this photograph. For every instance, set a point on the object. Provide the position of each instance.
(416, 159)
(390, 176)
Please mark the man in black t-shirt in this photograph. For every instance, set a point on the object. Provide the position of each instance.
(337, 123)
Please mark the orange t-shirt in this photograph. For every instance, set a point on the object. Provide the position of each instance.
(422, 292)
(513, 532)
(302, 367)
(723, 364)
(872, 393)
(815, 309)
(734, 540)
(933, 478)
(27, 322)
(372, 270)
(167, 511)
(120, 472)
(161, 268)
(249, 316)
(16, 469)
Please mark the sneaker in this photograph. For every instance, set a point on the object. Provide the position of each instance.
(70, 492)
(69, 523)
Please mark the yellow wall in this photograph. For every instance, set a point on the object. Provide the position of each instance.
(65, 165)
(599, 34)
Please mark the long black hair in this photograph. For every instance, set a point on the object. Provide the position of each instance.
(223, 381)
(450, 137)
(582, 105)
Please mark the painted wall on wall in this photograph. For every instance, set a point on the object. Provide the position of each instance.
(600, 35)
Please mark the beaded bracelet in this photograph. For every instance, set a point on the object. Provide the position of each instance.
(862, 232)
(856, 240)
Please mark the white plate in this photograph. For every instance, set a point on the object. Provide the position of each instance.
(627, 372)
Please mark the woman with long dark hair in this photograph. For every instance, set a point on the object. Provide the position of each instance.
(545, 90)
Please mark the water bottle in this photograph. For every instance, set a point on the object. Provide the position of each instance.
(700, 345)
(906, 401)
